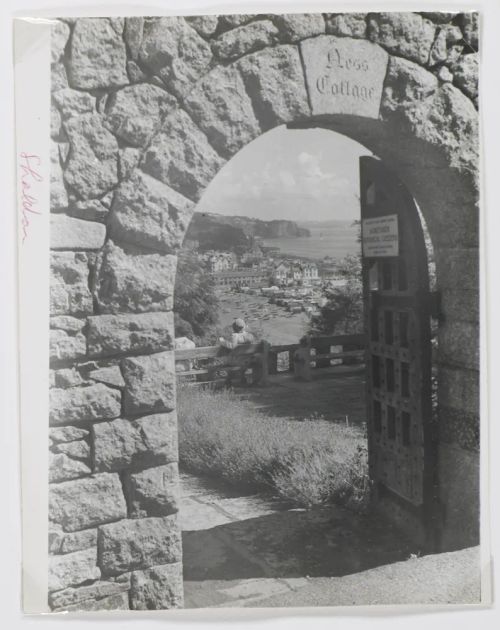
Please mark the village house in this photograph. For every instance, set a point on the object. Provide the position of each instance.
(241, 278)
(286, 274)
(281, 274)
(216, 261)
(253, 256)
(310, 273)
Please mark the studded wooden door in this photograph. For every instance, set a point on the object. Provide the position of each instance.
(397, 321)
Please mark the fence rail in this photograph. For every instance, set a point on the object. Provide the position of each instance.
(253, 363)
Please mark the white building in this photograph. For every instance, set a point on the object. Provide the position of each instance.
(219, 261)
(310, 273)
(296, 273)
(281, 273)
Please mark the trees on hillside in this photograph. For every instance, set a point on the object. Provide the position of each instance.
(343, 312)
(196, 304)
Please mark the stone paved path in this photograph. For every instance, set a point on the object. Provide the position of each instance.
(251, 551)
(240, 550)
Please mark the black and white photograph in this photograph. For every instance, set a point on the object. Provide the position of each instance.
(263, 311)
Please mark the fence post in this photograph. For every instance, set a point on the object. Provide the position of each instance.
(265, 363)
(322, 347)
(272, 361)
(302, 360)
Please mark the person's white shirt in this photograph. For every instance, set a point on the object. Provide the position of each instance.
(237, 339)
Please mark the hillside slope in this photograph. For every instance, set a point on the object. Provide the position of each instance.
(214, 231)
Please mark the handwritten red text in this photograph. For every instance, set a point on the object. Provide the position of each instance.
(30, 177)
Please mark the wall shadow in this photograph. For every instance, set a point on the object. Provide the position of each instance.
(321, 542)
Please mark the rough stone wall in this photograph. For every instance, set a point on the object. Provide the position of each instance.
(144, 114)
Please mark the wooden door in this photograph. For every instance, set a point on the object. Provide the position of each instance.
(401, 445)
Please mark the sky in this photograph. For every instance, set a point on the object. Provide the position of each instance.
(296, 174)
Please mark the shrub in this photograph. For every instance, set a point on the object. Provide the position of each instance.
(343, 312)
(306, 462)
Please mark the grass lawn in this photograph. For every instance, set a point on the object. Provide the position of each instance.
(307, 462)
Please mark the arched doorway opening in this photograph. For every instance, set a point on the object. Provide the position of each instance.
(403, 475)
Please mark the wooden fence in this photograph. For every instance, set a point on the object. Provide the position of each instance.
(251, 364)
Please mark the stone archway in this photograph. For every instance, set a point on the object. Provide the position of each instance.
(145, 112)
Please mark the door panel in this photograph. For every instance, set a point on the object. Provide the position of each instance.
(397, 322)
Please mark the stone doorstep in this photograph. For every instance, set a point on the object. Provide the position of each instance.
(245, 507)
(250, 589)
(236, 592)
(196, 515)
(438, 579)
(397, 583)
(204, 508)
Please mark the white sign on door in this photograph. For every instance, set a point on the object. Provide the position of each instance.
(380, 236)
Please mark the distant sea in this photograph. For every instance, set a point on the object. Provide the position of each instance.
(336, 239)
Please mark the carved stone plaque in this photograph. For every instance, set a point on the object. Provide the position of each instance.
(344, 75)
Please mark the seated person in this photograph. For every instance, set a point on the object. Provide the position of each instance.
(239, 337)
